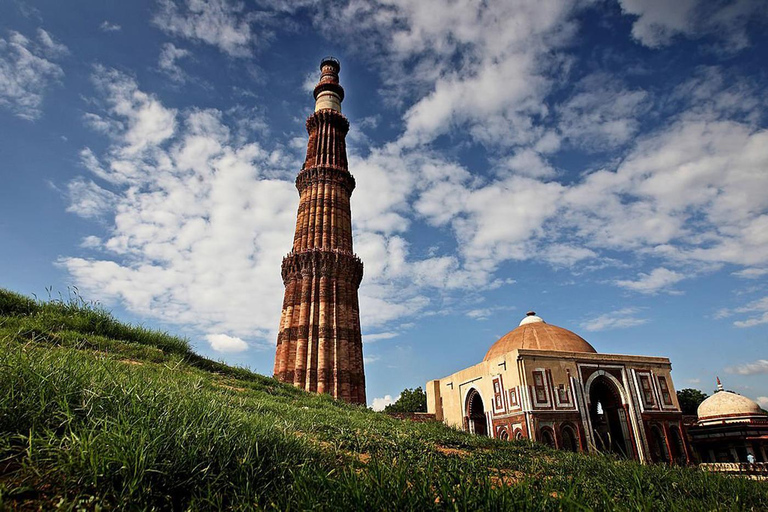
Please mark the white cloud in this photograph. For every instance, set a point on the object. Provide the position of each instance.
(370, 359)
(221, 23)
(528, 162)
(167, 62)
(478, 65)
(87, 199)
(495, 92)
(310, 80)
(485, 313)
(659, 21)
(383, 186)
(379, 404)
(199, 228)
(659, 279)
(757, 309)
(49, 46)
(687, 194)
(90, 242)
(754, 368)
(479, 314)
(565, 255)
(751, 273)
(224, 343)
(146, 122)
(677, 196)
(27, 71)
(601, 113)
(388, 180)
(202, 219)
(713, 94)
(372, 338)
(491, 223)
(29, 11)
(382, 302)
(619, 319)
(106, 26)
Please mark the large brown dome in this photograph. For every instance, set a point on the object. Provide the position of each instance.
(535, 334)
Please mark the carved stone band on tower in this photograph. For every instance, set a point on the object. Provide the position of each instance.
(319, 345)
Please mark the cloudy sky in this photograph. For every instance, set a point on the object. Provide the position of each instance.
(604, 163)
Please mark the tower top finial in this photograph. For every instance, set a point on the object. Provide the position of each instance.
(330, 61)
(719, 384)
(328, 93)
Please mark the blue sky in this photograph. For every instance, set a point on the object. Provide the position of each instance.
(604, 163)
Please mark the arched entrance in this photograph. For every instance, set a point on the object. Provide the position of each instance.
(658, 445)
(547, 437)
(568, 436)
(677, 446)
(476, 421)
(608, 417)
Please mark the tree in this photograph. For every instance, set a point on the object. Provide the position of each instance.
(690, 399)
(410, 400)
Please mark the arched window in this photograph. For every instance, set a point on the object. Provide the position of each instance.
(504, 435)
(677, 446)
(569, 438)
(658, 444)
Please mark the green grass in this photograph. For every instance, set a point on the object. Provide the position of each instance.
(96, 414)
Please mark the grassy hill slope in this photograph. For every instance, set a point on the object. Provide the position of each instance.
(98, 414)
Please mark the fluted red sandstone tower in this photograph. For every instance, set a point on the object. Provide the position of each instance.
(319, 347)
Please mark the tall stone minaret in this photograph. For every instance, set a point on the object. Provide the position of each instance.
(319, 346)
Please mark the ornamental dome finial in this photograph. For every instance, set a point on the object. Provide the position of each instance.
(530, 317)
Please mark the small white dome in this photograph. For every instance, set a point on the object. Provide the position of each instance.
(531, 318)
(726, 405)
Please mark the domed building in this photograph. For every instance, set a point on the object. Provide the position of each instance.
(730, 427)
(548, 384)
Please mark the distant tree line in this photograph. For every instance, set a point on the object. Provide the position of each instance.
(690, 399)
(410, 400)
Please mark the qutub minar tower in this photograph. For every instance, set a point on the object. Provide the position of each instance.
(319, 346)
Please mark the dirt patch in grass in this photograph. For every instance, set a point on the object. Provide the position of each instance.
(452, 451)
(132, 362)
(231, 388)
(322, 444)
(506, 477)
(21, 490)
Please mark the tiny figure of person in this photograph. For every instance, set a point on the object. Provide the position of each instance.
(750, 458)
